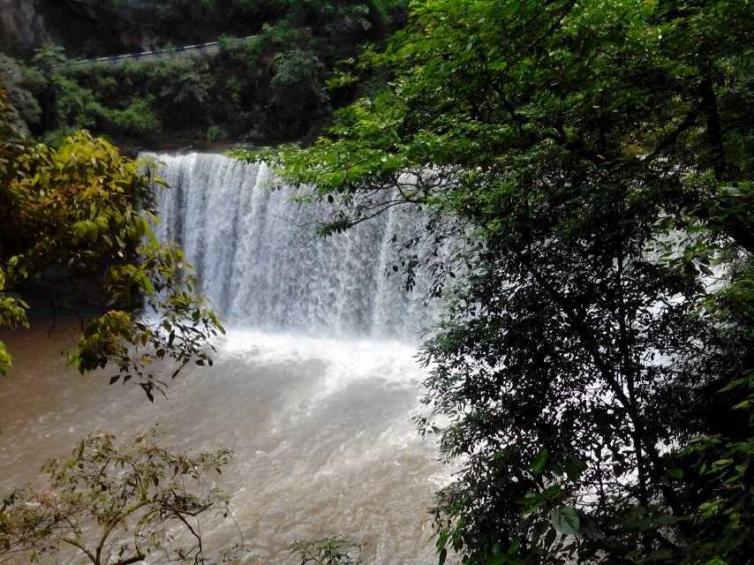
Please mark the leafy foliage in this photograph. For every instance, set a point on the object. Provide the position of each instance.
(592, 375)
(269, 87)
(327, 551)
(115, 504)
(80, 217)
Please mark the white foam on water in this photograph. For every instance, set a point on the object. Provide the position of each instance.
(321, 429)
(346, 361)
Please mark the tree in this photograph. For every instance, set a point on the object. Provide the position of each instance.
(76, 228)
(327, 551)
(116, 504)
(593, 374)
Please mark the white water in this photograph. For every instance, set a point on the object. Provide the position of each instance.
(261, 264)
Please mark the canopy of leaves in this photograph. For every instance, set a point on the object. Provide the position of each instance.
(593, 372)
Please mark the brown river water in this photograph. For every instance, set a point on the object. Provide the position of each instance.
(321, 429)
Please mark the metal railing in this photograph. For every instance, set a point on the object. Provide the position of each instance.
(211, 48)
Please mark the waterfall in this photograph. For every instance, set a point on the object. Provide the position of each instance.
(261, 265)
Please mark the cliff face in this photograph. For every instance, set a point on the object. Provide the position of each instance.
(83, 27)
(95, 28)
(22, 26)
(92, 27)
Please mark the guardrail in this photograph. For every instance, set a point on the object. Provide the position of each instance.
(211, 48)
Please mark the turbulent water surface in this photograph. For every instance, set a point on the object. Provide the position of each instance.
(314, 387)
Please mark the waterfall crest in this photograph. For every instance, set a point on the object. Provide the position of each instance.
(261, 265)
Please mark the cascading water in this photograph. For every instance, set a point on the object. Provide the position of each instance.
(260, 263)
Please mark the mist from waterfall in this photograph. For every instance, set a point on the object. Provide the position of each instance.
(260, 263)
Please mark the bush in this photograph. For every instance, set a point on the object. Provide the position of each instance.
(216, 133)
(116, 501)
(138, 118)
(327, 551)
(268, 88)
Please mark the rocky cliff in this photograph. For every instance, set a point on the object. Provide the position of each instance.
(83, 27)
(22, 26)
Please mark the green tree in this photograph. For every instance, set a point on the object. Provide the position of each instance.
(76, 222)
(115, 504)
(600, 153)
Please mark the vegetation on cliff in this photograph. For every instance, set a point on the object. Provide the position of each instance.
(266, 89)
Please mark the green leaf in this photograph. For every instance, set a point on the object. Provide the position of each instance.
(565, 520)
(539, 462)
(675, 473)
(5, 359)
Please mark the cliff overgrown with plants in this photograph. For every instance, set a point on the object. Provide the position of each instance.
(269, 88)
